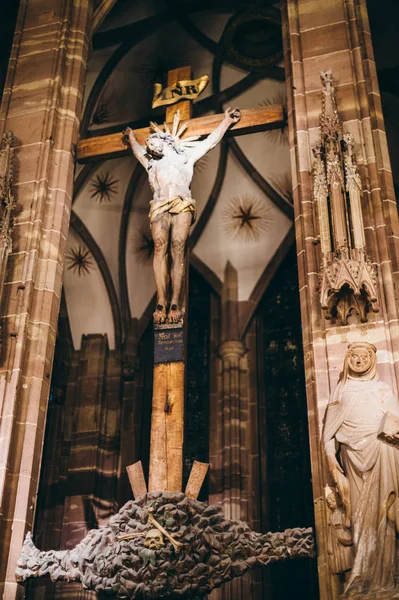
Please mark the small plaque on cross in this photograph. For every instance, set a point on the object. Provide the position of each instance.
(168, 344)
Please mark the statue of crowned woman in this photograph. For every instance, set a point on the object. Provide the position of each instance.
(361, 439)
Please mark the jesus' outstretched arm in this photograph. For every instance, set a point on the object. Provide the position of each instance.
(231, 116)
(138, 150)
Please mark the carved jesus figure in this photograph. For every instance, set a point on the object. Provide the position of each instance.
(366, 471)
(169, 162)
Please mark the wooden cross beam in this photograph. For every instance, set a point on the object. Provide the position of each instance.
(113, 145)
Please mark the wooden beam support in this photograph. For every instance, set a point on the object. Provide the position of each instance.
(137, 480)
(113, 145)
(184, 106)
(167, 428)
(196, 479)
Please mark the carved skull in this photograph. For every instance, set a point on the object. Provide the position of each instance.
(154, 539)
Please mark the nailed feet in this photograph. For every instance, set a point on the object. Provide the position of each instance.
(175, 314)
(159, 315)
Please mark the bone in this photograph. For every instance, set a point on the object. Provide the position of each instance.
(130, 536)
(177, 545)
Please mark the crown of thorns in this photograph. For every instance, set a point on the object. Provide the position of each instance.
(173, 136)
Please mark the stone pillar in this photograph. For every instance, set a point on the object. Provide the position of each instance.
(131, 417)
(93, 454)
(229, 454)
(92, 425)
(41, 104)
(81, 457)
(335, 35)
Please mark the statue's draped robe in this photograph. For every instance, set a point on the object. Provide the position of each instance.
(372, 468)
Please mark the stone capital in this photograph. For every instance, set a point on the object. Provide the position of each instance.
(232, 349)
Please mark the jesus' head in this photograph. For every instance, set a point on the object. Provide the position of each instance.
(158, 143)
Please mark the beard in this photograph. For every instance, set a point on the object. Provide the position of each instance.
(155, 153)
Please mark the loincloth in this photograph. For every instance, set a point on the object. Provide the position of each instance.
(173, 206)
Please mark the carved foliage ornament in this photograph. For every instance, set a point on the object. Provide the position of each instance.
(7, 203)
(7, 200)
(348, 282)
(164, 545)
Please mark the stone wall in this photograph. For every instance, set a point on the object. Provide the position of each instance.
(80, 467)
(338, 37)
(41, 104)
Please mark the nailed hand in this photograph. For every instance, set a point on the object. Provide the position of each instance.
(232, 114)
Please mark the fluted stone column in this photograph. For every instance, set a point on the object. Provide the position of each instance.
(229, 450)
(335, 34)
(232, 353)
(41, 104)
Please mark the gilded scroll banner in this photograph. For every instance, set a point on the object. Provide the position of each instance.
(183, 90)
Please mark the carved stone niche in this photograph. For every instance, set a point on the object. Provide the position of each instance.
(348, 280)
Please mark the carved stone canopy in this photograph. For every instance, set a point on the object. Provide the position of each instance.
(348, 286)
(201, 551)
(348, 283)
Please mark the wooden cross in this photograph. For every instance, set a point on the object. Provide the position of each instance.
(113, 145)
(167, 420)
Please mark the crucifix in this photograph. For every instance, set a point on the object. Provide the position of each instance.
(164, 544)
(168, 154)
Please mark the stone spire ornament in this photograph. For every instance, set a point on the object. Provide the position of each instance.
(348, 283)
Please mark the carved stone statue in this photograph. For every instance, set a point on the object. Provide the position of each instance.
(360, 425)
(169, 162)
